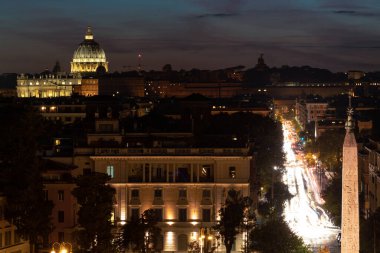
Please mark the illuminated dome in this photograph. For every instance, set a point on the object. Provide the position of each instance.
(89, 56)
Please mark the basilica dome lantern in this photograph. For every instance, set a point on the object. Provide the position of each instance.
(88, 56)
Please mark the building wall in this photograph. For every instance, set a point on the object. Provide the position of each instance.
(65, 113)
(126, 86)
(9, 240)
(315, 111)
(64, 210)
(89, 87)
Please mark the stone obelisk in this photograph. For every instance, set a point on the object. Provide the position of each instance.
(350, 190)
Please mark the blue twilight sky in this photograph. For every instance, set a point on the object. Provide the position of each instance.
(207, 34)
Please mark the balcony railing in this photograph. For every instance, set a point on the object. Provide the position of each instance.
(172, 151)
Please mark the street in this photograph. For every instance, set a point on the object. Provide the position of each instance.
(303, 212)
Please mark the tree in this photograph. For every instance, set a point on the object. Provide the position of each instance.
(20, 173)
(142, 234)
(232, 217)
(333, 199)
(275, 206)
(274, 236)
(167, 68)
(329, 147)
(96, 200)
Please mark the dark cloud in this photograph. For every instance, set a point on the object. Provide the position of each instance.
(356, 13)
(216, 15)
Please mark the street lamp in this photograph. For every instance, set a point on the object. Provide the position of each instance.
(63, 247)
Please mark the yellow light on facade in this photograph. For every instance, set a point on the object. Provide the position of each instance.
(170, 223)
(209, 237)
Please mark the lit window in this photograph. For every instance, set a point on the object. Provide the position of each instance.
(61, 195)
(232, 172)
(110, 171)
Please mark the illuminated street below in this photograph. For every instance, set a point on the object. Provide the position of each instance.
(303, 212)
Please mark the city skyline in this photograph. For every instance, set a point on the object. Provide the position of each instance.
(192, 34)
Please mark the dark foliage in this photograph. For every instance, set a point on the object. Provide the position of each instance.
(20, 173)
(142, 234)
(96, 200)
(232, 216)
(274, 236)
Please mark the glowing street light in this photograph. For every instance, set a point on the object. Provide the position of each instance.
(63, 247)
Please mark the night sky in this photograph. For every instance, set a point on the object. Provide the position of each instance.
(206, 34)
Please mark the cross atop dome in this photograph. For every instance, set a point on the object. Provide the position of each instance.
(89, 35)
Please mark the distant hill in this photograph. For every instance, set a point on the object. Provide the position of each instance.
(8, 80)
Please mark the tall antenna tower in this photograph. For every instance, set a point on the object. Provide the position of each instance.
(139, 58)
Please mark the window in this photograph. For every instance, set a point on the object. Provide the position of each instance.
(8, 237)
(135, 193)
(1, 213)
(158, 213)
(206, 173)
(110, 171)
(105, 127)
(182, 193)
(135, 213)
(17, 237)
(46, 195)
(61, 216)
(86, 171)
(158, 193)
(61, 195)
(232, 171)
(206, 215)
(182, 242)
(182, 214)
(1, 240)
(206, 194)
(183, 174)
(61, 236)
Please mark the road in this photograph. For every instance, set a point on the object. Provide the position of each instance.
(303, 212)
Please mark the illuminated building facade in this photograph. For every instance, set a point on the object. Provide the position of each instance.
(89, 57)
(55, 85)
(185, 186)
(44, 86)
